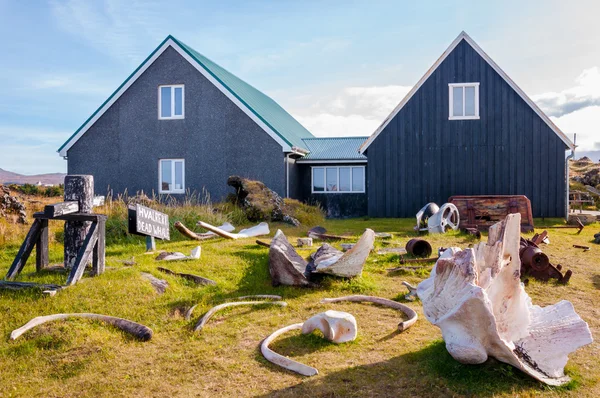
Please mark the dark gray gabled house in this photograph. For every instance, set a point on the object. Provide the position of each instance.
(181, 123)
(466, 129)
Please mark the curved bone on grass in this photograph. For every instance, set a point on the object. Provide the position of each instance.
(258, 230)
(140, 331)
(260, 296)
(219, 307)
(402, 326)
(188, 314)
(282, 361)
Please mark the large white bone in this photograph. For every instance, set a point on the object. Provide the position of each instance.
(227, 227)
(282, 361)
(476, 298)
(337, 326)
(218, 308)
(258, 230)
(138, 330)
(350, 263)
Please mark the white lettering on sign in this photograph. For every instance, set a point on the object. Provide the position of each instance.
(151, 222)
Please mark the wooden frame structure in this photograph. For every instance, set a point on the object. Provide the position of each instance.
(93, 247)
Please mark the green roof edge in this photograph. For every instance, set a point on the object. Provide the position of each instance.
(185, 48)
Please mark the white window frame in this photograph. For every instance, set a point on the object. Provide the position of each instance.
(451, 86)
(173, 116)
(182, 190)
(312, 176)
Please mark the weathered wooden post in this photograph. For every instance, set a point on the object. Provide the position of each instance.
(78, 188)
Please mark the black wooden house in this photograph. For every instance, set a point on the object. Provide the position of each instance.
(466, 129)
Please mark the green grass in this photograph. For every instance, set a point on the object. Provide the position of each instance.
(85, 358)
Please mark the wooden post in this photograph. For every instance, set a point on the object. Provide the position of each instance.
(98, 262)
(150, 244)
(41, 247)
(78, 188)
(25, 250)
(84, 256)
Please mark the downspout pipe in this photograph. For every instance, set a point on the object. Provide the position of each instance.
(287, 175)
(571, 156)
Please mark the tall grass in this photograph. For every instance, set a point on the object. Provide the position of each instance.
(190, 209)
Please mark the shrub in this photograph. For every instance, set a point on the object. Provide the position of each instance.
(307, 214)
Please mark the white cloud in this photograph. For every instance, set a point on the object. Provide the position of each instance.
(353, 111)
(585, 123)
(72, 83)
(585, 93)
(118, 28)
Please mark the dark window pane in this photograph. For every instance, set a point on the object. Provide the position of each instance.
(332, 179)
(179, 175)
(178, 101)
(358, 179)
(345, 179)
(470, 101)
(457, 101)
(318, 180)
(165, 102)
(165, 179)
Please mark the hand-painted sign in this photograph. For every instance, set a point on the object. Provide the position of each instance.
(148, 222)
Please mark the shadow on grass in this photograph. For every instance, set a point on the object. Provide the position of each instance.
(257, 279)
(428, 372)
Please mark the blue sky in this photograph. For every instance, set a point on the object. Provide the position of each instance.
(339, 67)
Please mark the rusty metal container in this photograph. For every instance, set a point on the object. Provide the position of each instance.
(419, 248)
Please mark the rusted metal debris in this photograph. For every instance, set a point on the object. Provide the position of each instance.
(585, 248)
(578, 225)
(482, 211)
(419, 247)
(540, 238)
(536, 264)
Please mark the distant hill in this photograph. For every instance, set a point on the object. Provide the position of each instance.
(8, 177)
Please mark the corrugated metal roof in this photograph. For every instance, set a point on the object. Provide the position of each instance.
(334, 148)
(269, 111)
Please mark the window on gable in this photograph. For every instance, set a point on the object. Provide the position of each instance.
(171, 102)
(464, 101)
(172, 176)
(338, 179)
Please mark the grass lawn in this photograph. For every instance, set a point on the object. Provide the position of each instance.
(84, 358)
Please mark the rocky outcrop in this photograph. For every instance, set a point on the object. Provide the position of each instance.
(10, 204)
(259, 202)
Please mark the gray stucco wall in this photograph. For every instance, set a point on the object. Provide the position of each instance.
(216, 139)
